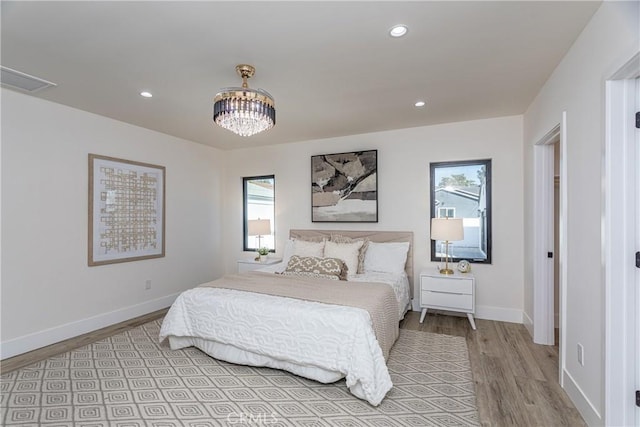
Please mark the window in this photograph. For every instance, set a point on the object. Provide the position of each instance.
(259, 203)
(463, 190)
(446, 212)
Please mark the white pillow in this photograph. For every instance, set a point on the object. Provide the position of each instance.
(305, 249)
(386, 257)
(288, 251)
(347, 252)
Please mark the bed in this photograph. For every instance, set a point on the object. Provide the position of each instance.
(305, 323)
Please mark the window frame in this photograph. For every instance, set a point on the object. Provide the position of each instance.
(485, 226)
(245, 224)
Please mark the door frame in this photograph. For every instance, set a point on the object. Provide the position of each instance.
(618, 244)
(543, 238)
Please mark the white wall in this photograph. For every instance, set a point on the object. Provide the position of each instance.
(48, 291)
(403, 195)
(577, 86)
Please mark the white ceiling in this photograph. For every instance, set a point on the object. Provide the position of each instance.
(331, 66)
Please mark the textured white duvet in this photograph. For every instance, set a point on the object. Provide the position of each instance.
(319, 341)
(331, 342)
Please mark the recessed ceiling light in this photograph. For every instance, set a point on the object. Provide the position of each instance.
(398, 31)
(146, 94)
(420, 104)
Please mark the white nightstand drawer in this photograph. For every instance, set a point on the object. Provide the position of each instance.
(456, 286)
(453, 301)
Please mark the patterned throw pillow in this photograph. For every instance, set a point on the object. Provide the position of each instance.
(332, 268)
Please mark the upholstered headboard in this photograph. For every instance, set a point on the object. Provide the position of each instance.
(374, 236)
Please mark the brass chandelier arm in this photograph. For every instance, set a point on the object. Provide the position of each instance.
(246, 71)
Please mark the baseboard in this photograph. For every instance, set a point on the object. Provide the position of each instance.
(590, 414)
(499, 314)
(20, 345)
(528, 323)
(485, 312)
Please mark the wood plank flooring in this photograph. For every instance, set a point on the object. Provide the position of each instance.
(516, 381)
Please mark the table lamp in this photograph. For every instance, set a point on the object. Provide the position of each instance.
(259, 227)
(447, 229)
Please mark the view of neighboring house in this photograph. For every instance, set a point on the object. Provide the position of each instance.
(464, 202)
(461, 192)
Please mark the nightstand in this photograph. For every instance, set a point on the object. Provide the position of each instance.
(245, 265)
(455, 292)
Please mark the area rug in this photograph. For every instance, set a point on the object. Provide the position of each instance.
(130, 380)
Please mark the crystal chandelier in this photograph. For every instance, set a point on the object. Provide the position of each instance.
(244, 111)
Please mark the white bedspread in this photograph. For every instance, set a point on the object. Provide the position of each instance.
(399, 283)
(330, 342)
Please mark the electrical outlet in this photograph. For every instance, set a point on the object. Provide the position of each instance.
(581, 354)
(147, 284)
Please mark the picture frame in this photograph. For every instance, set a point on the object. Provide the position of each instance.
(344, 187)
(126, 210)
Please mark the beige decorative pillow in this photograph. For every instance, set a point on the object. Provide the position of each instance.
(347, 252)
(339, 238)
(305, 248)
(316, 266)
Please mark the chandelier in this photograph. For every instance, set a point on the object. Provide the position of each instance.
(244, 111)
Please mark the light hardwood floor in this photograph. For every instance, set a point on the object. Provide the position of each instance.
(516, 381)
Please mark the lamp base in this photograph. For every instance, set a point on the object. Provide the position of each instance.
(446, 271)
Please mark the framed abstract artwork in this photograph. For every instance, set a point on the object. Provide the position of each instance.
(344, 187)
(126, 210)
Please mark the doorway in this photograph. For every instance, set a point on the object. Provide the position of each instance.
(549, 227)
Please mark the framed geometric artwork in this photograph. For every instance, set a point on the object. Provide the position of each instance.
(126, 210)
(344, 187)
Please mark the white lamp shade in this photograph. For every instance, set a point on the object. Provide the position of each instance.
(447, 229)
(259, 227)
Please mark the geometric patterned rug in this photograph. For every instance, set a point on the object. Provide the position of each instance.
(130, 380)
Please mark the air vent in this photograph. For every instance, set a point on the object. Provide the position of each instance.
(13, 79)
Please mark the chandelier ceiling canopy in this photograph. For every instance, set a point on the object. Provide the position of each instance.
(244, 111)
